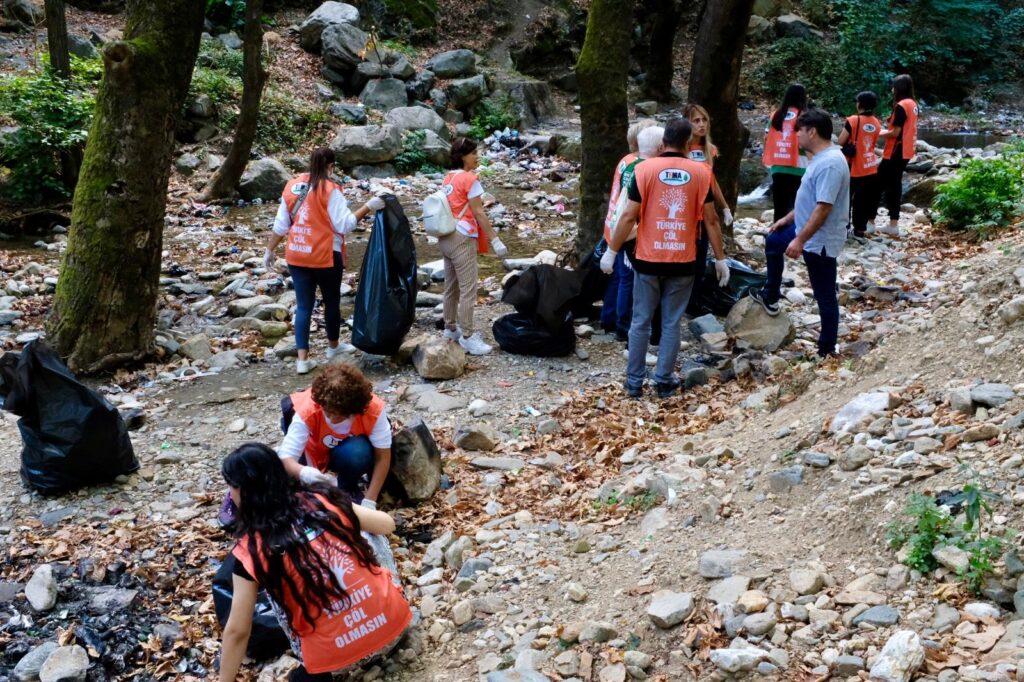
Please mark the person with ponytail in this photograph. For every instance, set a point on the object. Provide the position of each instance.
(314, 217)
(900, 139)
(860, 133)
(782, 151)
(303, 545)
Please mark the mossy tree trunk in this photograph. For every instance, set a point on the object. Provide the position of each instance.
(104, 308)
(715, 84)
(57, 38)
(601, 72)
(254, 79)
(659, 20)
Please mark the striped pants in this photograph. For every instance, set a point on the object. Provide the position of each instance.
(461, 278)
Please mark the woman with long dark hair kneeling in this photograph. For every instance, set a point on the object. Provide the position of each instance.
(302, 544)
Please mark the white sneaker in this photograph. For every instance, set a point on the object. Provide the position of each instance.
(304, 366)
(342, 347)
(452, 334)
(474, 345)
(889, 230)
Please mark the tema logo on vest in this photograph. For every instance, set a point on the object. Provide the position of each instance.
(869, 128)
(300, 187)
(330, 440)
(790, 115)
(674, 177)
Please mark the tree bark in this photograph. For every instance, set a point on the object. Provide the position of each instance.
(715, 82)
(104, 308)
(659, 20)
(57, 38)
(601, 71)
(225, 180)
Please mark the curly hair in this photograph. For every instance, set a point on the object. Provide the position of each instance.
(342, 390)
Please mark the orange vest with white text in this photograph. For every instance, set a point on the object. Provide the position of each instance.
(456, 187)
(672, 191)
(780, 146)
(376, 613)
(613, 197)
(311, 235)
(908, 135)
(864, 133)
(321, 436)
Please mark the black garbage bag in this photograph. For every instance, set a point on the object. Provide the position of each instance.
(545, 294)
(593, 284)
(527, 335)
(386, 297)
(267, 639)
(718, 301)
(72, 437)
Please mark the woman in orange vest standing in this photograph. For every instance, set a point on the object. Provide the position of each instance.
(860, 135)
(472, 233)
(303, 545)
(337, 432)
(315, 218)
(782, 151)
(900, 139)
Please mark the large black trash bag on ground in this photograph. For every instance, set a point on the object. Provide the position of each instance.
(386, 297)
(593, 283)
(718, 301)
(72, 436)
(545, 293)
(527, 335)
(267, 639)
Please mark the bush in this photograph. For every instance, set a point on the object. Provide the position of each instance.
(986, 194)
(213, 55)
(493, 114)
(230, 13)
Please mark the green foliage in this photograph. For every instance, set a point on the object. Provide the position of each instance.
(285, 124)
(986, 194)
(229, 13)
(213, 55)
(218, 85)
(930, 527)
(982, 555)
(493, 114)
(413, 157)
(51, 117)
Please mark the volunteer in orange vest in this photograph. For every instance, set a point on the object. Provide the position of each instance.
(314, 217)
(669, 196)
(782, 152)
(860, 137)
(473, 232)
(900, 138)
(339, 608)
(337, 432)
(617, 307)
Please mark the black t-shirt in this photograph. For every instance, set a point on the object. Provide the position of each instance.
(665, 269)
(898, 120)
(240, 571)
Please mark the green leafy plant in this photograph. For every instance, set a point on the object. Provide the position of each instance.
(986, 194)
(213, 55)
(493, 114)
(929, 527)
(229, 13)
(412, 157)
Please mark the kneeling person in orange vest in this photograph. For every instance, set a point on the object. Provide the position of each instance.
(337, 432)
(670, 195)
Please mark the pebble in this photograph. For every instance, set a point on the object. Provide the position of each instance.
(668, 609)
(41, 590)
(65, 664)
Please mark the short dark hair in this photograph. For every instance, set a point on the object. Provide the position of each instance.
(461, 147)
(817, 119)
(677, 133)
(343, 390)
(867, 101)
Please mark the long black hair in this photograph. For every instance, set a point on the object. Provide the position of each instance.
(320, 162)
(795, 98)
(902, 88)
(277, 515)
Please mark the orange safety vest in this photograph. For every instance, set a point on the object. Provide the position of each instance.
(696, 153)
(908, 135)
(672, 191)
(456, 187)
(780, 146)
(613, 197)
(311, 236)
(321, 436)
(377, 613)
(864, 134)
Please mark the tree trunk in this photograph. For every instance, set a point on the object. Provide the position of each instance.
(715, 82)
(601, 71)
(104, 308)
(57, 38)
(660, 20)
(226, 178)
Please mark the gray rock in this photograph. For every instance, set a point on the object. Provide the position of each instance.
(512, 675)
(104, 600)
(65, 664)
(946, 617)
(737, 660)
(196, 348)
(794, 26)
(31, 663)
(366, 144)
(241, 307)
(380, 171)
(860, 408)
(960, 400)
(41, 590)
(365, 73)
(992, 395)
(455, 555)
(953, 558)
(343, 46)
(901, 656)
(80, 46)
(706, 324)
(418, 87)
(784, 480)
(416, 118)
(760, 624)
(722, 563)
(9, 590)
(453, 64)
(531, 98)
(349, 113)
(437, 150)
(646, 108)
(202, 106)
(855, 457)
(187, 164)
(805, 581)
(465, 91)
(499, 463)
(598, 632)
(439, 358)
(1012, 311)
(728, 590)
(816, 459)
(477, 437)
(849, 666)
(329, 13)
(415, 463)
(263, 179)
(473, 566)
(384, 94)
(878, 615)
(230, 40)
(25, 12)
(748, 322)
(1014, 566)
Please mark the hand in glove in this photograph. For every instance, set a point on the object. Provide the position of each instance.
(368, 503)
(269, 259)
(375, 204)
(722, 270)
(500, 250)
(727, 217)
(608, 261)
(313, 476)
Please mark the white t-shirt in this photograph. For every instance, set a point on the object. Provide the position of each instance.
(294, 443)
(343, 220)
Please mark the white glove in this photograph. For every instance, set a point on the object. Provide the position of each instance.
(727, 217)
(368, 503)
(608, 261)
(628, 263)
(375, 204)
(269, 259)
(312, 476)
(500, 250)
(722, 270)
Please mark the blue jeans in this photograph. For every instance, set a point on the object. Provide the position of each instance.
(775, 253)
(306, 281)
(351, 459)
(651, 293)
(617, 309)
(822, 271)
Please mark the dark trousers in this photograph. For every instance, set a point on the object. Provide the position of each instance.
(822, 271)
(306, 281)
(784, 187)
(775, 254)
(617, 309)
(300, 674)
(351, 458)
(890, 178)
(695, 308)
(864, 201)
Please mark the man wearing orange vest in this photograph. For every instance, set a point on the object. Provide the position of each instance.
(670, 197)
(337, 432)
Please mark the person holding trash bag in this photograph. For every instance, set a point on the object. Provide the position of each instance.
(669, 195)
(314, 217)
(782, 152)
(303, 545)
(459, 249)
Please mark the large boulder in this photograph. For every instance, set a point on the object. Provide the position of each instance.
(25, 12)
(263, 179)
(416, 118)
(549, 46)
(384, 94)
(330, 13)
(924, 191)
(437, 150)
(453, 64)
(343, 46)
(366, 144)
(418, 87)
(363, 74)
(795, 26)
(771, 8)
(531, 99)
(759, 29)
(66, 664)
(747, 321)
(415, 473)
(465, 91)
(439, 359)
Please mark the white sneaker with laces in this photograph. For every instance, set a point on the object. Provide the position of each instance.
(474, 345)
(304, 366)
(889, 230)
(342, 347)
(452, 334)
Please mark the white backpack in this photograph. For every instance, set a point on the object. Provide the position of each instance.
(438, 219)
